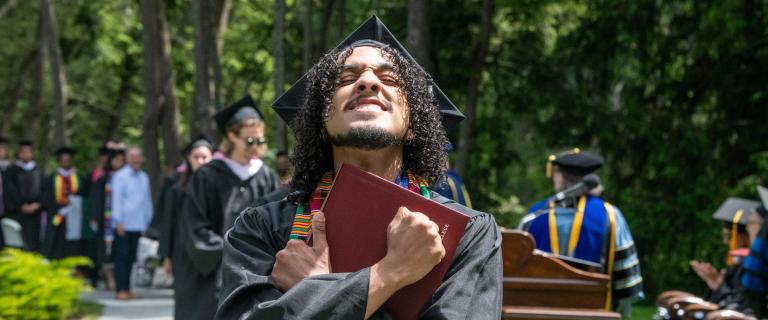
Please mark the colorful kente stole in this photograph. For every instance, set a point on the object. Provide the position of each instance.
(108, 208)
(63, 187)
(302, 221)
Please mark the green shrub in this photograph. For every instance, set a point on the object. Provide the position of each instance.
(33, 288)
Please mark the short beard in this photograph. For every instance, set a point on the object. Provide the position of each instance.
(366, 138)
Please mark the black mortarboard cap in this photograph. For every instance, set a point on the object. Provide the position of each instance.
(64, 150)
(3, 140)
(25, 143)
(374, 33)
(104, 150)
(732, 207)
(233, 114)
(202, 140)
(576, 161)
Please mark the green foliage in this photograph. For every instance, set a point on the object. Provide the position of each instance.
(34, 288)
(672, 93)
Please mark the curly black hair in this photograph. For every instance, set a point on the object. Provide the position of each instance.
(423, 154)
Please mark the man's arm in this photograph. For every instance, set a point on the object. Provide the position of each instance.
(249, 292)
(472, 286)
(118, 188)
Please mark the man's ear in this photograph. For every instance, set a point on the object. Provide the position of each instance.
(409, 135)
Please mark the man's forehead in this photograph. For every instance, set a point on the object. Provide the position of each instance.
(366, 56)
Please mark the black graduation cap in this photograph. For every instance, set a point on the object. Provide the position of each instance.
(64, 150)
(580, 162)
(25, 143)
(202, 140)
(3, 140)
(104, 150)
(233, 114)
(372, 32)
(732, 207)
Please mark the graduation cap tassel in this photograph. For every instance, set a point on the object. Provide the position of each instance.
(549, 165)
(734, 234)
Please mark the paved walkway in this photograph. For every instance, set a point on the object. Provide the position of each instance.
(154, 304)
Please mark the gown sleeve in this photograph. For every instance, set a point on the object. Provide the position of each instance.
(204, 246)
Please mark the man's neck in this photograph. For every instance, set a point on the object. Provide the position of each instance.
(239, 158)
(385, 163)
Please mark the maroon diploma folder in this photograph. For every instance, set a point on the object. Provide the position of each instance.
(358, 211)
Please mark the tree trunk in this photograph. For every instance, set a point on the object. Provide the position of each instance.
(15, 92)
(113, 120)
(57, 73)
(280, 132)
(210, 19)
(152, 89)
(325, 24)
(341, 20)
(418, 32)
(36, 90)
(465, 135)
(169, 111)
(306, 33)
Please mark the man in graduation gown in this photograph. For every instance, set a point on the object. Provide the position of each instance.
(577, 223)
(174, 234)
(65, 219)
(220, 190)
(24, 196)
(366, 103)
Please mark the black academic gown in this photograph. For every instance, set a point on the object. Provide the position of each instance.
(161, 219)
(56, 245)
(96, 209)
(26, 187)
(471, 288)
(216, 196)
(731, 295)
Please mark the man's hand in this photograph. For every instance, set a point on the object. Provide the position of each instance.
(708, 273)
(167, 267)
(414, 248)
(298, 260)
(120, 230)
(30, 208)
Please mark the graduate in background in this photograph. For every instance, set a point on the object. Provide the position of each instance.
(223, 188)
(581, 225)
(724, 285)
(191, 292)
(25, 196)
(64, 203)
(100, 217)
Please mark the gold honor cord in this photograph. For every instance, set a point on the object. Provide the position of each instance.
(611, 251)
(554, 244)
(734, 234)
(575, 228)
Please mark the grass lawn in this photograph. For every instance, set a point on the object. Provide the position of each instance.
(85, 310)
(643, 312)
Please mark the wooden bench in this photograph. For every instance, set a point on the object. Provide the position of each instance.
(538, 285)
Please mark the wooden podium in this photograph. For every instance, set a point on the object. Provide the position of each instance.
(538, 285)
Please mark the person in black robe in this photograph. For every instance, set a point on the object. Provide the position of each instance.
(220, 190)
(62, 184)
(173, 229)
(4, 164)
(99, 217)
(24, 197)
(368, 104)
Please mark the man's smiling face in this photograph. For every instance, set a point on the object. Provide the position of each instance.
(368, 109)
